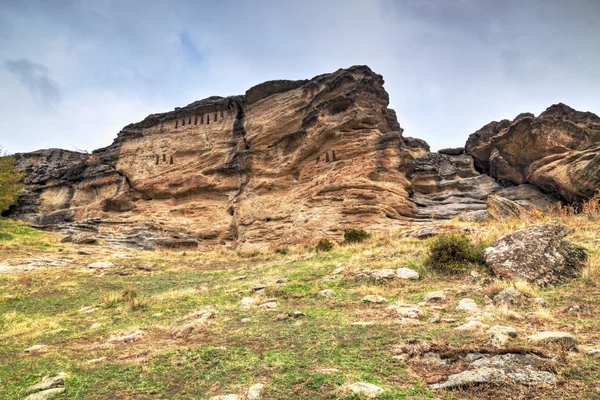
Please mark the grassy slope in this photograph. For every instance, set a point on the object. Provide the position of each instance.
(229, 354)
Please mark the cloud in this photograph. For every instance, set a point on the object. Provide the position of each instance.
(35, 77)
(189, 48)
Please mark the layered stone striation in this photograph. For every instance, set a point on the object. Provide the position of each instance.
(287, 162)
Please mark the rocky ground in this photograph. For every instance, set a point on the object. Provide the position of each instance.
(83, 321)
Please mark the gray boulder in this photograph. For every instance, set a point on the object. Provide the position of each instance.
(537, 254)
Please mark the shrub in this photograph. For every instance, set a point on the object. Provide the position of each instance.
(10, 182)
(451, 253)
(282, 251)
(355, 235)
(324, 245)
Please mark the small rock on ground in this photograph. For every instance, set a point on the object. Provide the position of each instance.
(226, 397)
(407, 273)
(366, 389)
(46, 394)
(255, 391)
(49, 382)
(327, 293)
(471, 326)
(564, 339)
(373, 298)
(406, 311)
(434, 297)
(34, 348)
(100, 265)
(466, 305)
(290, 315)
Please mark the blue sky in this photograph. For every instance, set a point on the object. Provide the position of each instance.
(74, 72)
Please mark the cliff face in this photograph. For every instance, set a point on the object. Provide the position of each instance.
(296, 161)
(287, 162)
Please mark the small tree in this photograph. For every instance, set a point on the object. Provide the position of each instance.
(10, 181)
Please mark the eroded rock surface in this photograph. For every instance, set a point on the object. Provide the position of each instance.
(537, 254)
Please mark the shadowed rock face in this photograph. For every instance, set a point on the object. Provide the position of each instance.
(556, 151)
(287, 162)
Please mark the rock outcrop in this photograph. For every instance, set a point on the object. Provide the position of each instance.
(287, 162)
(557, 151)
(537, 255)
(297, 161)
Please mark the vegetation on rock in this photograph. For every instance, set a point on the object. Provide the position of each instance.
(10, 181)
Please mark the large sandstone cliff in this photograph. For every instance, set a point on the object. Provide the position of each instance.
(287, 162)
(296, 161)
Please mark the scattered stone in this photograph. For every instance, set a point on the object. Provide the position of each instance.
(46, 394)
(34, 348)
(245, 320)
(255, 391)
(100, 265)
(448, 320)
(363, 323)
(95, 360)
(407, 321)
(505, 330)
(538, 300)
(574, 309)
(435, 297)
(509, 296)
(406, 311)
(269, 303)
(84, 253)
(373, 298)
(327, 293)
(259, 287)
(246, 303)
(87, 309)
(96, 325)
(157, 315)
(328, 371)
(337, 271)
(430, 359)
(49, 382)
(467, 305)
(435, 318)
(471, 326)
(290, 315)
(80, 238)
(517, 368)
(226, 397)
(382, 274)
(592, 352)
(196, 320)
(127, 337)
(537, 254)
(563, 339)
(407, 273)
(276, 281)
(366, 389)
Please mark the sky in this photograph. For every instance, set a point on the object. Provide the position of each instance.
(74, 72)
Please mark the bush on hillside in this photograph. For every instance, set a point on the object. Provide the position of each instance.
(324, 245)
(355, 235)
(10, 181)
(452, 253)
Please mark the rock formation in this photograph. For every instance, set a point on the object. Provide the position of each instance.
(557, 151)
(296, 161)
(289, 161)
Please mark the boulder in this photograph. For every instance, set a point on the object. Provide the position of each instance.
(563, 339)
(407, 273)
(255, 391)
(81, 238)
(373, 298)
(49, 382)
(366, 389)
(466, 305)
(326, 293)
(537, 254)
(435, 297)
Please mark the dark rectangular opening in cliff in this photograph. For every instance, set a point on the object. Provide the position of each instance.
(207, 119)
(196, 120)
(164, 158)
(176, 124)
(221, 113)
(171, 160)
(183, 122)
(215, 117)
(189, 120)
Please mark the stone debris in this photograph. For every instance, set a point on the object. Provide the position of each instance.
(326, 293)
(407, 273)
(406, 311)
(366, 389)
(269, 303)
(563, 339)
(290, 315)
(471, 326)
(50, 386)
(435, 297)
(196, 320)
(87, 309)
(101, 265)
(375, 299)
(226, 397)
(407, 321)
(509, 296)
(34, 348)
(363, 323)
(435, 318)
(255, 391)
(516, 368)
(328, 371)
(258, 287)
(246, 303)
(467, 305)
(127, 337)
(80, 238)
